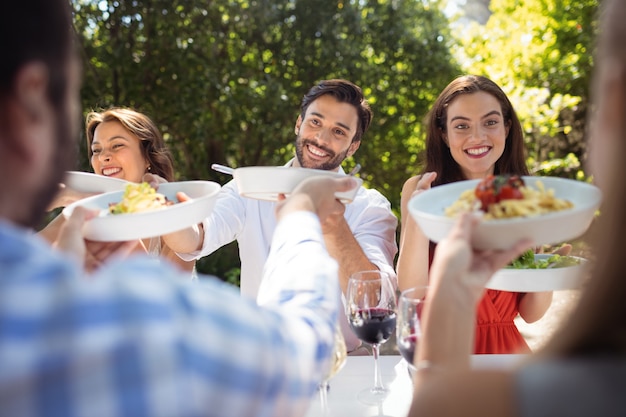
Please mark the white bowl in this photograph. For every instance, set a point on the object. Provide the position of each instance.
(533, 280)
(266, 183)
(427, 208)
(120, 227)
(87, 182)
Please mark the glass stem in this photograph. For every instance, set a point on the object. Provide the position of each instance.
(378, 382)
(323, 389)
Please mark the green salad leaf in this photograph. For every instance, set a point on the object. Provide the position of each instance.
(527, 261)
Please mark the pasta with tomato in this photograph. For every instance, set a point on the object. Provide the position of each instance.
(504, 196)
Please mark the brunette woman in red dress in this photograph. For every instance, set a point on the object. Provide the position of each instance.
(473, 132)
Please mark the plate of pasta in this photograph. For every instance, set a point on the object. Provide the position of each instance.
(140, 211)
(541, 272)
(548, 210)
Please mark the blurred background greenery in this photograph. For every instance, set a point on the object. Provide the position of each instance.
(223, 79)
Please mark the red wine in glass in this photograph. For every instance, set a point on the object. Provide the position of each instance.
(373, 325)
(371, 311)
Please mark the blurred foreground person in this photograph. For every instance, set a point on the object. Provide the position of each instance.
(134, 339)
(582, 369)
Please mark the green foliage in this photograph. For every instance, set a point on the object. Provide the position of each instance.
(224, 79)
(225, 266)
(539, 51)
(567, 167)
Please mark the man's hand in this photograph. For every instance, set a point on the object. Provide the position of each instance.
(91, 254)
(316, 194)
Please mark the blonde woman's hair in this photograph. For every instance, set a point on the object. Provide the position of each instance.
(152, 144)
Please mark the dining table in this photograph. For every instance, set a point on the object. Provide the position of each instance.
(358, 374)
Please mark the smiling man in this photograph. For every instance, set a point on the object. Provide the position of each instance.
(328, 131)
(334, 116)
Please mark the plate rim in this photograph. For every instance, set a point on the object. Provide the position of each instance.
(505, 278)
(208, 199)
(584, 205)
(346, 197)
(427, 209)
(103, 179)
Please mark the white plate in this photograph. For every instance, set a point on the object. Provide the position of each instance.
(87, 182)
(120, 227)
(533, 280)
(427, 208)
(265, 183)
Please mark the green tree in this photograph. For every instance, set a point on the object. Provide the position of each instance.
(224, 79)
(540, 52)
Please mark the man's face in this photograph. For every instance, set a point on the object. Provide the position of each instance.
(324, 136)
(63, 134)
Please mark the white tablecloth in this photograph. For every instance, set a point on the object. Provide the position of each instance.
(358, 374)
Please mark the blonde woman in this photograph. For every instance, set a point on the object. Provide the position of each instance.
(124, 144)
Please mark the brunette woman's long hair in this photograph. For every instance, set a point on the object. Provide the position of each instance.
(438, 156)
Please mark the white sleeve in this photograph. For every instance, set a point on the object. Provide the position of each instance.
(223, 225)
(374, 226)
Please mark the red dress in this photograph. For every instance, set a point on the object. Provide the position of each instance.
(495, 330)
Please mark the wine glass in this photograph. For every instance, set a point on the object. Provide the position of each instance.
(371, 312)
(409, 329)
(337, 362)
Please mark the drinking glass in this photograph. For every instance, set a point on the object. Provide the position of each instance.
(371, 312)
(337, 362)
(409, 329)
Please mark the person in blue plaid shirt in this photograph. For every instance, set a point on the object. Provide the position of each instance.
(85, 331)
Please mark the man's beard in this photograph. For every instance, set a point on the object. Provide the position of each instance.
(330, 165)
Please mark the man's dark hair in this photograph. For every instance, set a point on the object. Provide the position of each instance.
(345, 92)
(37, 30)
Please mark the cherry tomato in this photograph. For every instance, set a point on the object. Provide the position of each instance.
(494, 189)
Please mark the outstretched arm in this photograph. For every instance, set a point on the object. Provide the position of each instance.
(51, 231)
(458, 276)
(364, 238)
(64, 197)
(344, 248)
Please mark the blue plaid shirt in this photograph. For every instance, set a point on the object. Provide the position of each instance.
(139, 339)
